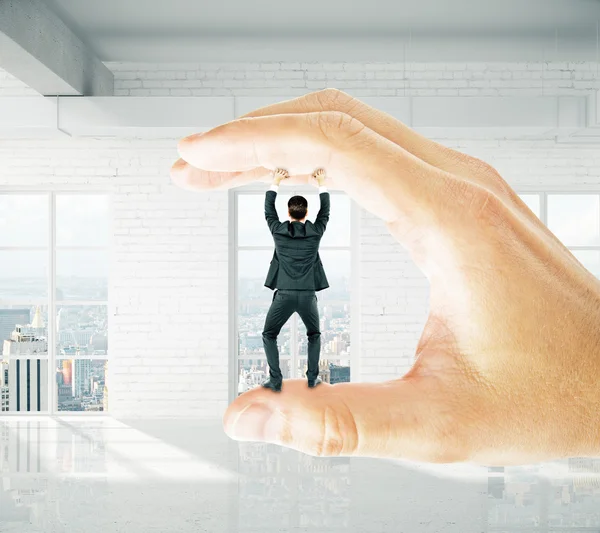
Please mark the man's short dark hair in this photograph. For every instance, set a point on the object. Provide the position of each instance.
(298, 206)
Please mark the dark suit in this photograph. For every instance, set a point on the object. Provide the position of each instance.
(296, 272)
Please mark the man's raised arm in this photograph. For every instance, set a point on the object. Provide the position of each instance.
(323, 214)
(270, 211)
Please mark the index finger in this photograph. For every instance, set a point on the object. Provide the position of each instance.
(429, 151)
(377, 173)
(391, 128)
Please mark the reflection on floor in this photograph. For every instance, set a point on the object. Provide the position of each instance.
(103, 475)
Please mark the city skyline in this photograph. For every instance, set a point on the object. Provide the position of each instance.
(334, 313)
(82, 331)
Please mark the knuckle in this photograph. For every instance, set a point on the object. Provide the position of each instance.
(325, 433)
(330, 441)
(478, 201)
(486, 205)
(330, 98)
(477, 166)
(493, 177)
(485, 169)
(333, 433)
(331, 120)
(472, 164)
(481, 171)
(338, 126)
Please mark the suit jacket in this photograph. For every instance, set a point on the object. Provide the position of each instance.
(296, 263)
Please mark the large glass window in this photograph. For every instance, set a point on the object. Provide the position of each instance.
(575, 219)
(53, 301)
(253, 252)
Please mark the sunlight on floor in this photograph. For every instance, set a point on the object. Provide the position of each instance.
(103, 447)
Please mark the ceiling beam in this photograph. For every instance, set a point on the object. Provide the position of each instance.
(404, 47)
(38, 48)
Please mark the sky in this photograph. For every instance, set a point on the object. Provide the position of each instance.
(81, 220)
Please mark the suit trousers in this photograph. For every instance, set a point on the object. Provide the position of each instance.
(285, 303)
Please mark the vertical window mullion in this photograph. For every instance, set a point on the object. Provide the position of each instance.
(544, 208)
(233, 300)
(52, 305)
(354, 292)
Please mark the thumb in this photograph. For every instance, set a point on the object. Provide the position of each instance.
(392, 419)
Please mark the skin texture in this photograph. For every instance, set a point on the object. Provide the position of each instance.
(506, 370)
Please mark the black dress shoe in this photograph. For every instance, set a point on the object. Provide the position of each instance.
(273, 385)
(314, 382)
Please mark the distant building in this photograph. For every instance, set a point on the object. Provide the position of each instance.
(9, 318)
(27, 376)
(64, 390)
(242, 385)
(584, 465)
(105, 395)
(66, 369)
(254, 342)
(75, 337)
(28, 385)
(75, 329)
(339, 374)
(27, 339)
(324, 373)
(99, 342)
(81, 377)
(4, 401)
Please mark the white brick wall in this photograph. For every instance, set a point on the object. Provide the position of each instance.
(168, 316)
(169, 336)
(359, 79)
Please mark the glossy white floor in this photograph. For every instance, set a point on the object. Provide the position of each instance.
(73, 474)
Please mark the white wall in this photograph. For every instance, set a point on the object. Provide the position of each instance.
(169, 335)
(361, 79)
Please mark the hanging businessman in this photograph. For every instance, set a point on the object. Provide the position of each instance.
(296, 274)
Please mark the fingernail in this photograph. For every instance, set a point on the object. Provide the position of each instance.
(251, 423)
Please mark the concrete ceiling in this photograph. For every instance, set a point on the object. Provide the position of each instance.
(188, 30)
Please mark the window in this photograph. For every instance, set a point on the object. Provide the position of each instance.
(253, 252)
(575, 219)
(53, 301)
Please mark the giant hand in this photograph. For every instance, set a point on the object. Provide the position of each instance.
(507, 367)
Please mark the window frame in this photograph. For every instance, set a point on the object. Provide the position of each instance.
(50, 301)
(543, 196)
(235, 248)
